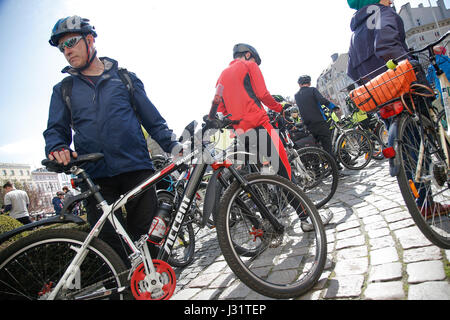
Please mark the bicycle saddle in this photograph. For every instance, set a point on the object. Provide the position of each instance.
(54, 166)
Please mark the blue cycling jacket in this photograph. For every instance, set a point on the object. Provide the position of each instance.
(104, 121)
(378, 36)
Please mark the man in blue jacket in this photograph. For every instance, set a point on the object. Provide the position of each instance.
(57, 202)
(378, 36)
(103, 120)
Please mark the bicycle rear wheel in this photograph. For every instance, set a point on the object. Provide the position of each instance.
(31, 267)
(288, 263)
(427, 199)
(317, 174)
(354, 150)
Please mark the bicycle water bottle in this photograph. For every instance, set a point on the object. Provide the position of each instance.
(160, 223)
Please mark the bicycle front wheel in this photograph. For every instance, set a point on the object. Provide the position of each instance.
(354, 150)
(427, 196)
(31, 267)
(283, 264)
(317, 174)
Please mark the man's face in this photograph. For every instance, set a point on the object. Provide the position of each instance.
(294, 114)
(7, 189)
(77, 55)
(386, 3)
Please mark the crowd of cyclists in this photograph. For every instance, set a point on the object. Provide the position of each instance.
(107, 117)
(102, 108)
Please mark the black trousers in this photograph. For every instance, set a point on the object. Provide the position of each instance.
(139, 211)
(322, 133)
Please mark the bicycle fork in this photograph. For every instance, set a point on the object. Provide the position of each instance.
(260, 204)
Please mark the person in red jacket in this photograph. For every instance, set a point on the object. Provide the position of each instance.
(244, 93)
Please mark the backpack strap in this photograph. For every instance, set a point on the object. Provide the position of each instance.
(126, 79)
(66, 93)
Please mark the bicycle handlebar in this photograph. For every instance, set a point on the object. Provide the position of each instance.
(430, 46)
(54, 166)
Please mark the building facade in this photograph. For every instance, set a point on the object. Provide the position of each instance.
(333, 81)
(15, 172)
(424, 25)
(47, 184)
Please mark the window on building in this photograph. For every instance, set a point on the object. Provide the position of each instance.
(4, 172)
(12, 172)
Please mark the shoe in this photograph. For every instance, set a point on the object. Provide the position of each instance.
(436, 209)
(307, 225)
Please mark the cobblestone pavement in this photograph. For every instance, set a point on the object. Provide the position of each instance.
(375, 251)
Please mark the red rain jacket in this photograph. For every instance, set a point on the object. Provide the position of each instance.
(244, 92)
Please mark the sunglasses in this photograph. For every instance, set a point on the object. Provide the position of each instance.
(69, 43)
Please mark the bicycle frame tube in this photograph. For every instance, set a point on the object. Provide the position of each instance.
(445, 88)
(188, 196)
(445, 135)
(72, 270)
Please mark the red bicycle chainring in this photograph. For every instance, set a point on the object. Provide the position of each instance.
(168, 277)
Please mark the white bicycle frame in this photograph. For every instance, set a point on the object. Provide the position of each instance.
(72, 272)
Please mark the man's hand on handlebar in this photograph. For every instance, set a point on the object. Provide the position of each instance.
(62, 155)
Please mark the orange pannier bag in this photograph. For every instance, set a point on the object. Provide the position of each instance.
(387, 86)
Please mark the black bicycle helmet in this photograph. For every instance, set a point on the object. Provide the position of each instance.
(278, 98)
(73, 24)
(305, 79)
(242, 48)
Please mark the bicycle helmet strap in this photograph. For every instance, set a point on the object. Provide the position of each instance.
(88, 63)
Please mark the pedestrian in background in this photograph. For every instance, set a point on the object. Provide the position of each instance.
(58, 202)
(16, 202)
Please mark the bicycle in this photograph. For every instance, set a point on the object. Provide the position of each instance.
(418, 149)
(70, 264)
(352, 146)
(377, 144)
(314, 170)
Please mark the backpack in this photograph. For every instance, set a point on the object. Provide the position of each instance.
(66, 91)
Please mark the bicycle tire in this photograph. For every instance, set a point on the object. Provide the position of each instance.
(30, 266)
(436, 227)
(324, 172)
(382, 133)
(260, 272)
(183, 251)
(354, 150)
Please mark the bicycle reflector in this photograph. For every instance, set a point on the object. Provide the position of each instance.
(391, 110)
(389, 153)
